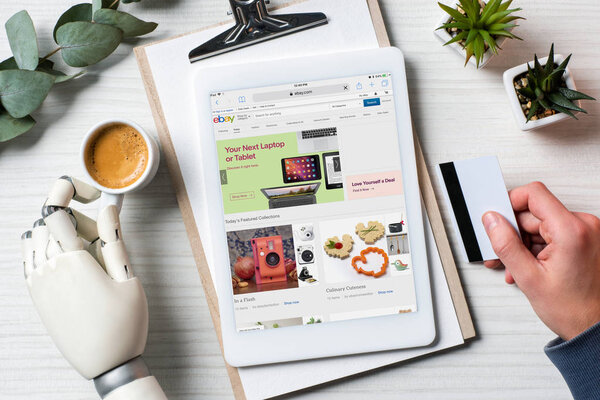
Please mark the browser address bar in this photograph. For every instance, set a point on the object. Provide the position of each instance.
(299, 92)
(308, 109)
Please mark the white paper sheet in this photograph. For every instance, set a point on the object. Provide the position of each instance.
(172, 74)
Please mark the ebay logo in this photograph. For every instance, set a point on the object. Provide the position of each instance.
(220, 119)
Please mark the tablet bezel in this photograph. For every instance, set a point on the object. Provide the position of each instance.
(333, 338)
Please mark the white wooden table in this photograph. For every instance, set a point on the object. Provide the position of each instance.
(458, 113)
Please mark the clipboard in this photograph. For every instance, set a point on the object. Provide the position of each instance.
(450, 270)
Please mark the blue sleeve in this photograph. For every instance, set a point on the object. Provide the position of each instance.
(578, 360)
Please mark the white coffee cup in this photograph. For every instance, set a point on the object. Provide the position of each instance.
(111, 195)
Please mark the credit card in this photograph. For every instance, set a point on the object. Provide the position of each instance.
(472, 188)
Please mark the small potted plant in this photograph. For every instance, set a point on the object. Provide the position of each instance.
(476, 28)
(544, 94)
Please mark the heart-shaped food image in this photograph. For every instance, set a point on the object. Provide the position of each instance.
(370, 233)
(377, 270)
(341, 249)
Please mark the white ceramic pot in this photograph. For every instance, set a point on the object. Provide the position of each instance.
(444, 37)
(515, 104)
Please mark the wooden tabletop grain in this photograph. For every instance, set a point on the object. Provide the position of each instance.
(458, 113)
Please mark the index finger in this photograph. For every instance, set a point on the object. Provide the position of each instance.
(66, 188)
(536, 198)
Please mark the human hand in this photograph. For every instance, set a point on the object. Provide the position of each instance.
(557, 265)
(93, 308)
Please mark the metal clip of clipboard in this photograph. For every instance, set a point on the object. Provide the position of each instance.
(253, 24)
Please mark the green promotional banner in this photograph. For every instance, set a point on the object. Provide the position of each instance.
(250, 164)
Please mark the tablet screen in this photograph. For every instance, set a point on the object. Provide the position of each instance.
(333, 248)
(301, 169)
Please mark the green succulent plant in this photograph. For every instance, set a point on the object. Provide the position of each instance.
(546, 89)
(480, 26)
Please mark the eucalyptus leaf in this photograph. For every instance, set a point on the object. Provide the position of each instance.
(96, 5)
(22, 92)
(47, 66)
(9, 63)
(130, 25)
(86, 43)
(26, 79)
(12, 127)
(44, 65)
(23, 40)
(99, 4)
(79, 12)
(62, 77)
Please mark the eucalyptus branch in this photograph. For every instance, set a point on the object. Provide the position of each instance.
(85, 34)
(53, 52)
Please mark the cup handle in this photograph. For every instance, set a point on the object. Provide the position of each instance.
(107, 199)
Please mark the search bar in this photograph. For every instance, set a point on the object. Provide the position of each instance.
(308, 109)
(287, 111)
(301, 92)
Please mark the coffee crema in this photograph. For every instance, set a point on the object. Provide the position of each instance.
(117, 156)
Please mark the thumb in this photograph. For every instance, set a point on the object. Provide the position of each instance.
(508, 246)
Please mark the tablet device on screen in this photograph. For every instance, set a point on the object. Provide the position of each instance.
(301, 169)
(333, 170)
(295, 264)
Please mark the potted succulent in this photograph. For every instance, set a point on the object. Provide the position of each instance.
(476, 28)
(544, 94)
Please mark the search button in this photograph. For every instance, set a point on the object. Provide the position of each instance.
(371, 102)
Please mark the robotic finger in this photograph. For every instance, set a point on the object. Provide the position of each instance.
(27, 251)
(44, 246)
(95, 249)
(84, 225)
(39, 243)
(65, 224)
(114, 253)
(61, 227)
(66, 188)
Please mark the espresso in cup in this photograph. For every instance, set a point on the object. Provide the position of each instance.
(116, 156)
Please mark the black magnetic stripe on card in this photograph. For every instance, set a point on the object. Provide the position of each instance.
(461, 212)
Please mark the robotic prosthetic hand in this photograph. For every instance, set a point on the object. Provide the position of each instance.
(94, 309)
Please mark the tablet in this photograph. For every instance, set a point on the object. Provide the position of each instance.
(333, 170)
(301, 169)
(325, 264)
